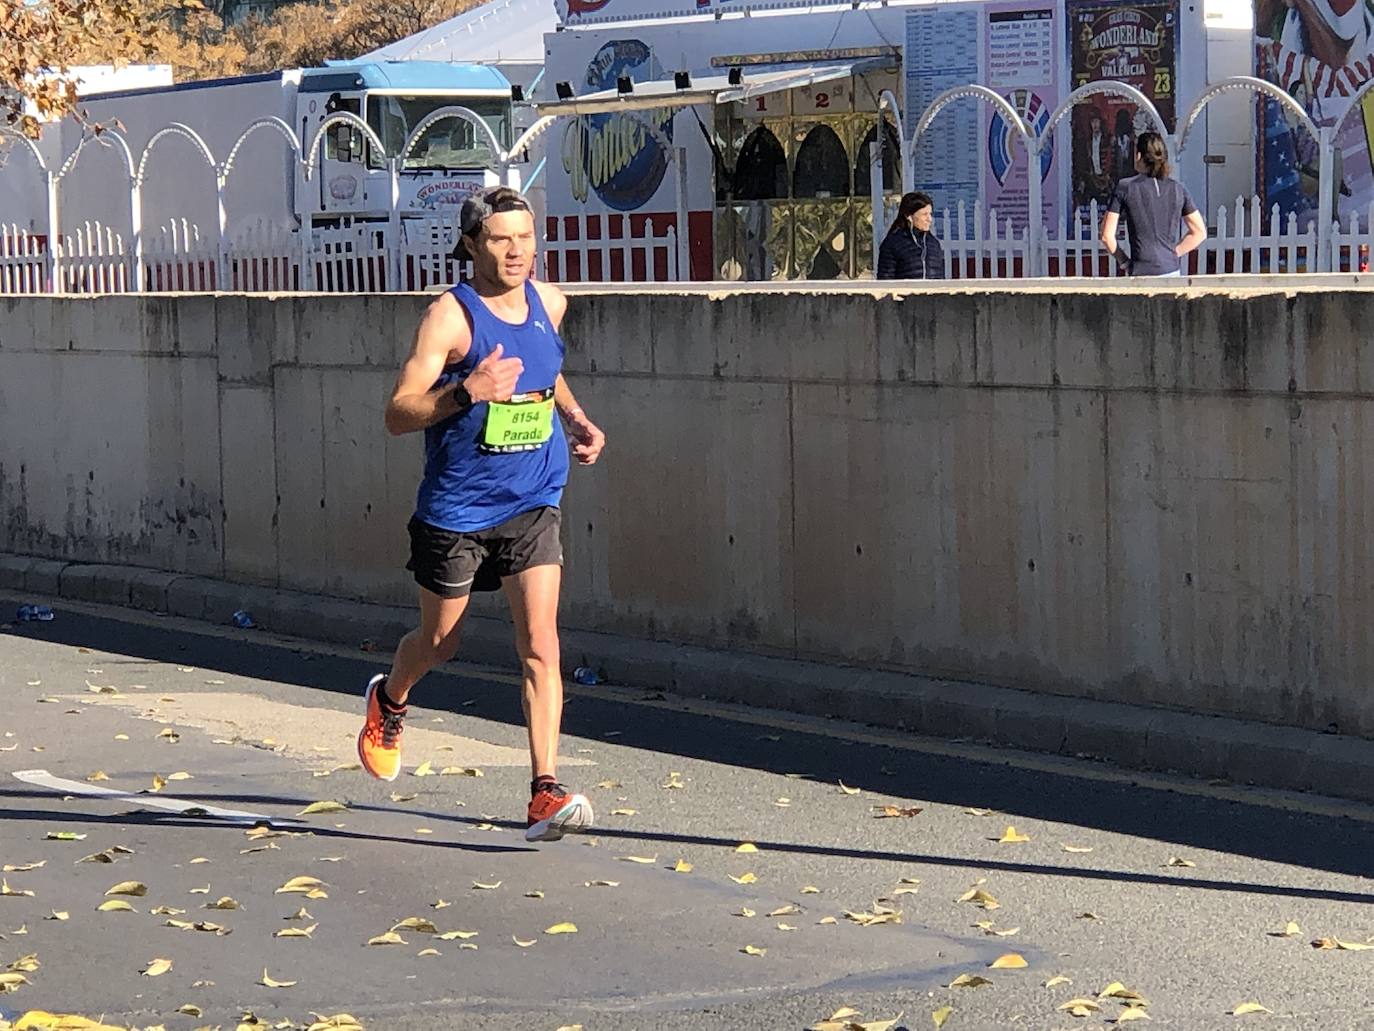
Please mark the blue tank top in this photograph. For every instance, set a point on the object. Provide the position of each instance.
(481, 468)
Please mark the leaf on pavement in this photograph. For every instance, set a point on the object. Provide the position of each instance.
(425, 769)
(642, 860)
(1080, 1007)
(827, 920)
(1057, 979)
(1117, 990)
(25, 964)
(753, 950)
(390, 938)
(460, 771)
(1133, 1013)
(609, 785)
(746, 846)
(427, 952)
(788, 910)
(98, 775)
(441, 904)
(987, 927)
(979, 897)
(58, 914)
(223, 903)
(895, 812)
(1179, 861)
(12, 983)
(115, 906)
(24, 867)
(563, 928)
(157, 967)
(190, 1009)
(682, 866)
(809, 889)
(479, 886)
(5, 889)
(745, 878)
(601, 884)
(624, 812)
(416, 923)
(396, 796)
(1290, 930)
(978, 812)
(135, 888)
(1009, 961)
(941, 1015)
(179, 775)
(449, 936)
(338, 1022)
(300, 886)
(1011, 836)
(878, 915)
(1076, 849)
(523, 943)
(785, 927)
(269, 982)
(746, 912)
(968, 981)
(64, 836)
(1337, 943)
(847, 790)
(326, 806)
(674, 781)
(296, 932)
(1249, 1007)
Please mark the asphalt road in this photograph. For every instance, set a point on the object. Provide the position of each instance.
(1173, 887)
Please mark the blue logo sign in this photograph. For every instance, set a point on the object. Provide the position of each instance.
(1002, 138)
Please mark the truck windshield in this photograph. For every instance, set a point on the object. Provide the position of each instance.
(449, 143)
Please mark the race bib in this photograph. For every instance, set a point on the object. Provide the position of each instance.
(524, 423)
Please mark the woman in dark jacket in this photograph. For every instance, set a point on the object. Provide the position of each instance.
(910, 250)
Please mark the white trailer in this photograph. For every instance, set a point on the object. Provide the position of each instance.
(164, 128)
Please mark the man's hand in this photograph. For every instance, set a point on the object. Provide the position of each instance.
(494, 378)
(587, 438)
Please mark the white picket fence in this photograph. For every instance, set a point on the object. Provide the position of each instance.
(357, 257)
(1242, 241)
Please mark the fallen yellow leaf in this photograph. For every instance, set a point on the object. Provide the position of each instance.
(746, 846)
(98, 775)
(1290, 930)
(845, 789)
(303, 885)
(1249, 1007)
(190, 1009)
(427, 952)
(326, 806)
(941, 1015)
(425, 769)
(115, 906)
(563, 928)
(449, 936)
(1057, 979)
(269, 982)
(157, 968)
(1132, 1013)
(1076, 848)
(1009, 961)
(480, 886)
(643, 860)
(1011, 836)
(179, 775)
(223, 903)
(753, 950)
(682, 866)
(745, 878)
(1337, 943)
(968, 981)
(24, 867)
(296, 932)
(809, 889)
(390, 938)
(1080, 1007)
(979, 897)
(524, 944)
(416, 923)
(1177, 861)
(135, 888)
(5, 889)
(624, 812)
(745, 911)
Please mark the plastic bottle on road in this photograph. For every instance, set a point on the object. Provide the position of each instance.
(587, 676)
(243, 620)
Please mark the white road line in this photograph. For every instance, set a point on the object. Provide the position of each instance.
(44, 779)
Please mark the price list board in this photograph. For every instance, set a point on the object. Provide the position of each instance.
(942, 44)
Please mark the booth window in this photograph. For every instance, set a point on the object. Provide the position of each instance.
(761, 168)
(892, 159)
(822, 165)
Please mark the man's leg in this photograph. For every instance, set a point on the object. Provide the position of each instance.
(433, 642)
(533, 597)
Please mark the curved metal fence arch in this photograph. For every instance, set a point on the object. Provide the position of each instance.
(1253, 85)
(270, 122)
(339, 118)
(463, 114)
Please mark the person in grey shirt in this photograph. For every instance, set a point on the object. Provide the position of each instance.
(1154, 205)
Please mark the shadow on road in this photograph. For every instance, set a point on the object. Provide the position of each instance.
(1321, 842)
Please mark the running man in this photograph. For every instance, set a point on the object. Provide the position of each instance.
(484, 382)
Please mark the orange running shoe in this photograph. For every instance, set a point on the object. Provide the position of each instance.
(554, 812)
(379, 742)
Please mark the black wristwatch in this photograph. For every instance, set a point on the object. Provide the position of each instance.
(461, 395)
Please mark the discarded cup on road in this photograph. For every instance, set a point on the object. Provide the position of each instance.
(586, 675)
(243, 620)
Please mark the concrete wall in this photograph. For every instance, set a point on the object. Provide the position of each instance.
(1159, 497)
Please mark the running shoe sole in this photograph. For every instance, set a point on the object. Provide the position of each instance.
(574, 816)
(367, 704)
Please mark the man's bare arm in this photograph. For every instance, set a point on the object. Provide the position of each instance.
(444, 331)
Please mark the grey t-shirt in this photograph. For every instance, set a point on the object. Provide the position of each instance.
(1154, 209)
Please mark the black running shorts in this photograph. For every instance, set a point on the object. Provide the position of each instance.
(452, 564)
